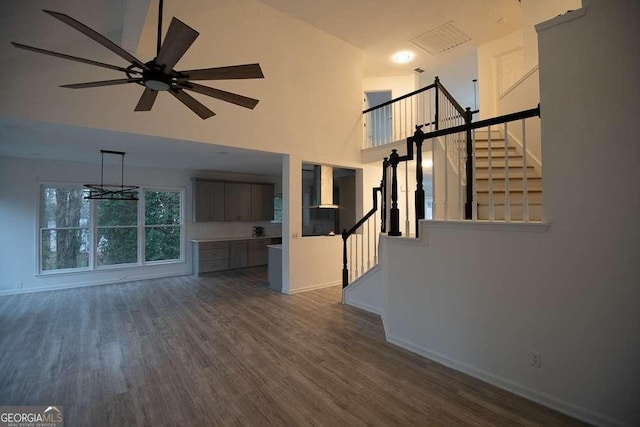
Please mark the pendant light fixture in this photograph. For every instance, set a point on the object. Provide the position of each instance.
(104, 191)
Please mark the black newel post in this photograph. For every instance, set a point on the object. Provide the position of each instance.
(418, 138)
(437, 91)
(345, 269)
(468, 206)
(394, 214)
(383, 205)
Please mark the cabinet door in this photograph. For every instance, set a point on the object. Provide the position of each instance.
(238, 254)
(231, 201)
(267, 202)
(262, 202)
(202, 201)
(257, 202)
(217, 201)
(244, 205)
(258, 252)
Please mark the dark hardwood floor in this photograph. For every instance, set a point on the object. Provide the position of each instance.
(225, 349)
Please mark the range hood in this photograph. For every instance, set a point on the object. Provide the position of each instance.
(323, 184)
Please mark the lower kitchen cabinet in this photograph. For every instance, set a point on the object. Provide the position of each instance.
(210, 256)
(238, 254)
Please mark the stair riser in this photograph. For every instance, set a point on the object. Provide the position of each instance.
(535, 213)
(533, 184)
(500, 174)
(499, 197)
(499, 163)
(495, 152)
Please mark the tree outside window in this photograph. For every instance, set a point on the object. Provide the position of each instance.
(162, 225)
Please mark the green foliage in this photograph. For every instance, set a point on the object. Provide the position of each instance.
(162, 243)
(117, 238)
(67, 248)
(117, 246)
(162, 211)
(161, 208)
(65, 219)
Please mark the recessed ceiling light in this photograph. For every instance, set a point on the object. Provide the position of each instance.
(402, 57)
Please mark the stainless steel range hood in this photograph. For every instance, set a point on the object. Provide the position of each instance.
(323, 180)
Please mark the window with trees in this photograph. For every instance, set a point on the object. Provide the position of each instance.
(116, 232)
(64, 229)
(79, 234)
(162, 228)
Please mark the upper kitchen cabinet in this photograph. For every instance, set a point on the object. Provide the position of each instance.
(208, 201)
(237, 201)
(262, 202)
(232, 201)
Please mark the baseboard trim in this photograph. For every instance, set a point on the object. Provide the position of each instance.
(559, 405)
(87, 284)
(365, 307)
(312, 287)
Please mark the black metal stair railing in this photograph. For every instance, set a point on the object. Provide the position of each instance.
(449, 120)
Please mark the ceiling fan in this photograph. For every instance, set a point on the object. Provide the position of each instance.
(158, 74)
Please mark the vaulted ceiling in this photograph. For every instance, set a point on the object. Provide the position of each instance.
(377, 27)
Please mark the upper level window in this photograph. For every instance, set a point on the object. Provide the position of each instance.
(78, 234)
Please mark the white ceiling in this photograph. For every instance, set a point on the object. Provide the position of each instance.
(382, 27)
(38, 140)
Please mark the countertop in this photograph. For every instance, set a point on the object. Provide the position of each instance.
(275, 247)
(228, 239)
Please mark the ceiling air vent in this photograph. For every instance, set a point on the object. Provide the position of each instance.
(441, 39)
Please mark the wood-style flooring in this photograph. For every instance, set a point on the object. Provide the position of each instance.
(227, 350)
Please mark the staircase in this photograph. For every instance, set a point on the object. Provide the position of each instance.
(494, 188)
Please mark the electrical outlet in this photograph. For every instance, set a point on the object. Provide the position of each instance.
(19, 285)
(294, 235)
(535, 358)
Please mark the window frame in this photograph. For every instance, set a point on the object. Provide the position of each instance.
(92, 230)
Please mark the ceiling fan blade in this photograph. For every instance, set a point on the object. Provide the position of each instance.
(178, 39)
(72, 58)
(233, 98)
(193, 104)
(101, 83)
(247, 71)
(97, 37)
(146, 100)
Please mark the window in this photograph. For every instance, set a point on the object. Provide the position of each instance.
(116, 232)
(78, 234)
(277, 208)
(64, 229)
(162, 225)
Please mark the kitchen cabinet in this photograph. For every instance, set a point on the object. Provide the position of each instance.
(238, 254)
(232, 201)
(208, 201)
(257, 252)
(210, 256)
(262, 202)
(237, 201)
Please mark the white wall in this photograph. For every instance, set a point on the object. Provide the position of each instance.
(481, 298)
(534, 12)
(487, 75)
(456, 70)
(20, 180)
(310, 100)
